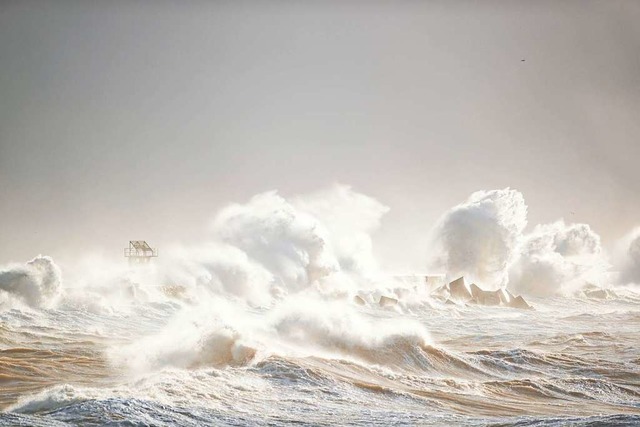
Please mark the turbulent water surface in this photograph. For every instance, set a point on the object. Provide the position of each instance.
(278, 319)
(171, 362)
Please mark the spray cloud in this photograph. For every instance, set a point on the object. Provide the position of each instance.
(478, 238)
(557, 257)
(36, 283)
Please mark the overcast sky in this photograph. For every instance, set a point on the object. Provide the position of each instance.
(124, 120)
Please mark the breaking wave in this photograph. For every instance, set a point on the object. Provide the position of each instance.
(35, 283)
(283, 314)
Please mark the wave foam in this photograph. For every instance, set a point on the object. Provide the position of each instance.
(628, 258)
(478, 238)
(36, 283)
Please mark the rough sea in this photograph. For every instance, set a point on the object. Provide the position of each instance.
(570, 361)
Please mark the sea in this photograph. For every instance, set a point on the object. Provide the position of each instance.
(164, 358)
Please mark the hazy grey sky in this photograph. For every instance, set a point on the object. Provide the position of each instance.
(123, 120)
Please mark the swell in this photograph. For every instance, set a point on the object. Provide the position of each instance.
(486, 382)
(465, 394)
(26, 371)
(442, 382)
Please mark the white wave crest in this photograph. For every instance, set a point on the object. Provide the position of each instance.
(36, 283)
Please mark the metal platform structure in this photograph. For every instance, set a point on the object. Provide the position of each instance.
(139, 252)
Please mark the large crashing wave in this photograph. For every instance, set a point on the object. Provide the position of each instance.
(223, 333)
(288, 242)
(557, 257)
(36, 283)
(628, 258)
(484, 239)
(300, 243)
(350, 219)
(478, 238)
(281, 256)
(215, 332)
(258, 252)
(336, 327)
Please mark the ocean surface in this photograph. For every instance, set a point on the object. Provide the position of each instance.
(175, 361)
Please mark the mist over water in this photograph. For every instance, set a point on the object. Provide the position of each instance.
(283, 315)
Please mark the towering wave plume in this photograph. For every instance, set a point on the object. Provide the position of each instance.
(628, 258)
(36, 283)
(337, 328)
(350, 218)
(479, 237)
(289, 243)
(259, 251)
(557, 257)
(484, 239)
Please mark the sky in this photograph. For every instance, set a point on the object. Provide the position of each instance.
(128, 120)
